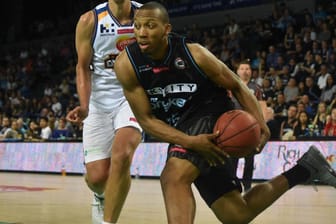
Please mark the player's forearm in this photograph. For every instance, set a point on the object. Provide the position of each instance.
(83, 88)
(251, 105)
(166, 133)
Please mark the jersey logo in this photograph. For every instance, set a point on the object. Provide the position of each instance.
(160, 69)
(144, 68)
(106, 29)
(179, 63)
(122, 42)
(173, 88)
(123, 31)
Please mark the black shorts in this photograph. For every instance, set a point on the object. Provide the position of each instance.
(212, 182)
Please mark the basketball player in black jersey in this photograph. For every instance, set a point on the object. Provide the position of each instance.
(177, 90)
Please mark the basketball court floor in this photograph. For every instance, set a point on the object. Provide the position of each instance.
(55, 199)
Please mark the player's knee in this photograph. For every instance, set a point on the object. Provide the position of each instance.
(174, 178)
(97, 180)
(236, 219)
(122, 157)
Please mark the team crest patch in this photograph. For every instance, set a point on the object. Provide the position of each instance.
(179, 63)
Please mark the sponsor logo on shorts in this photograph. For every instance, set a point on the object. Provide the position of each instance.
(133, 119)
(177, 149)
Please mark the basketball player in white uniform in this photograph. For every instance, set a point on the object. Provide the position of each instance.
(111, 133)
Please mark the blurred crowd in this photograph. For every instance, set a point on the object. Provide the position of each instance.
(292, 55)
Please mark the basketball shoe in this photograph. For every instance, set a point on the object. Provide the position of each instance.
(320, 169)
(97, 211)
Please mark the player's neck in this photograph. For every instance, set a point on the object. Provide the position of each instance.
(121, 11)
(161, 53)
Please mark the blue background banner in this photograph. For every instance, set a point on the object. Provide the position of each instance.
(201, 6)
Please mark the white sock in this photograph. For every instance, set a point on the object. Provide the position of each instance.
(108, 222)
(101, 196)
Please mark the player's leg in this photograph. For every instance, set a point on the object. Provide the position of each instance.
(97, 140)
(234, 208)
(176, 180)
(248, 172)
(235, 162)
(126, 140)
(96, 176)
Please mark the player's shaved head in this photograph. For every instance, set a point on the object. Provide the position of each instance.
(163, 14)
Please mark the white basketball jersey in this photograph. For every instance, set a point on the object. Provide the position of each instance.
(109, 39)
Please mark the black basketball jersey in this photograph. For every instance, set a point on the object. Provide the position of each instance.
(177, 83)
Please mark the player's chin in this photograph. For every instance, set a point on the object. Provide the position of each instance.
(144, 47)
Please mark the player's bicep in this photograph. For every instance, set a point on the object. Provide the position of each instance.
(133, 91)
(214, 68)
(84, 30)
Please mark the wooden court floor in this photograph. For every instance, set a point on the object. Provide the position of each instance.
(55, 199)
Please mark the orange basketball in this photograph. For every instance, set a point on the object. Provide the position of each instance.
(239, 133)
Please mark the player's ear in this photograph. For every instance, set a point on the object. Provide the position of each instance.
(168, 27)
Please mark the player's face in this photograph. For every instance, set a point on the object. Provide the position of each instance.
(151, 33)
(244, 71)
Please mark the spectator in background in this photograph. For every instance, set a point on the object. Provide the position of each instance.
(307, 39)
(301, 129)
(46, 131)
(307, 68)
(272, 124)
(294, 67)
(291, 91)
(64, 87)
(272, 55)
(78, 131)
(325, 50)
(56, 106)
(48, 90)
(16, 133)
(329, 91)
(280, 107)
(12, 133)
(233, 27)
(22, 126)
(6, 124)
(288, 41)
(320, 118)
(318, 64)
(331, 106)
(279, 86)
(320, 14)
(309, 106)
(312, 90)
(283, 75)
(316, 49)
(330, 127)
(267, 88)
(299, 52)
(324, 35)
(61, 131)
(322, 76)
(332, 63)
(287, 126)
(33, 132)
